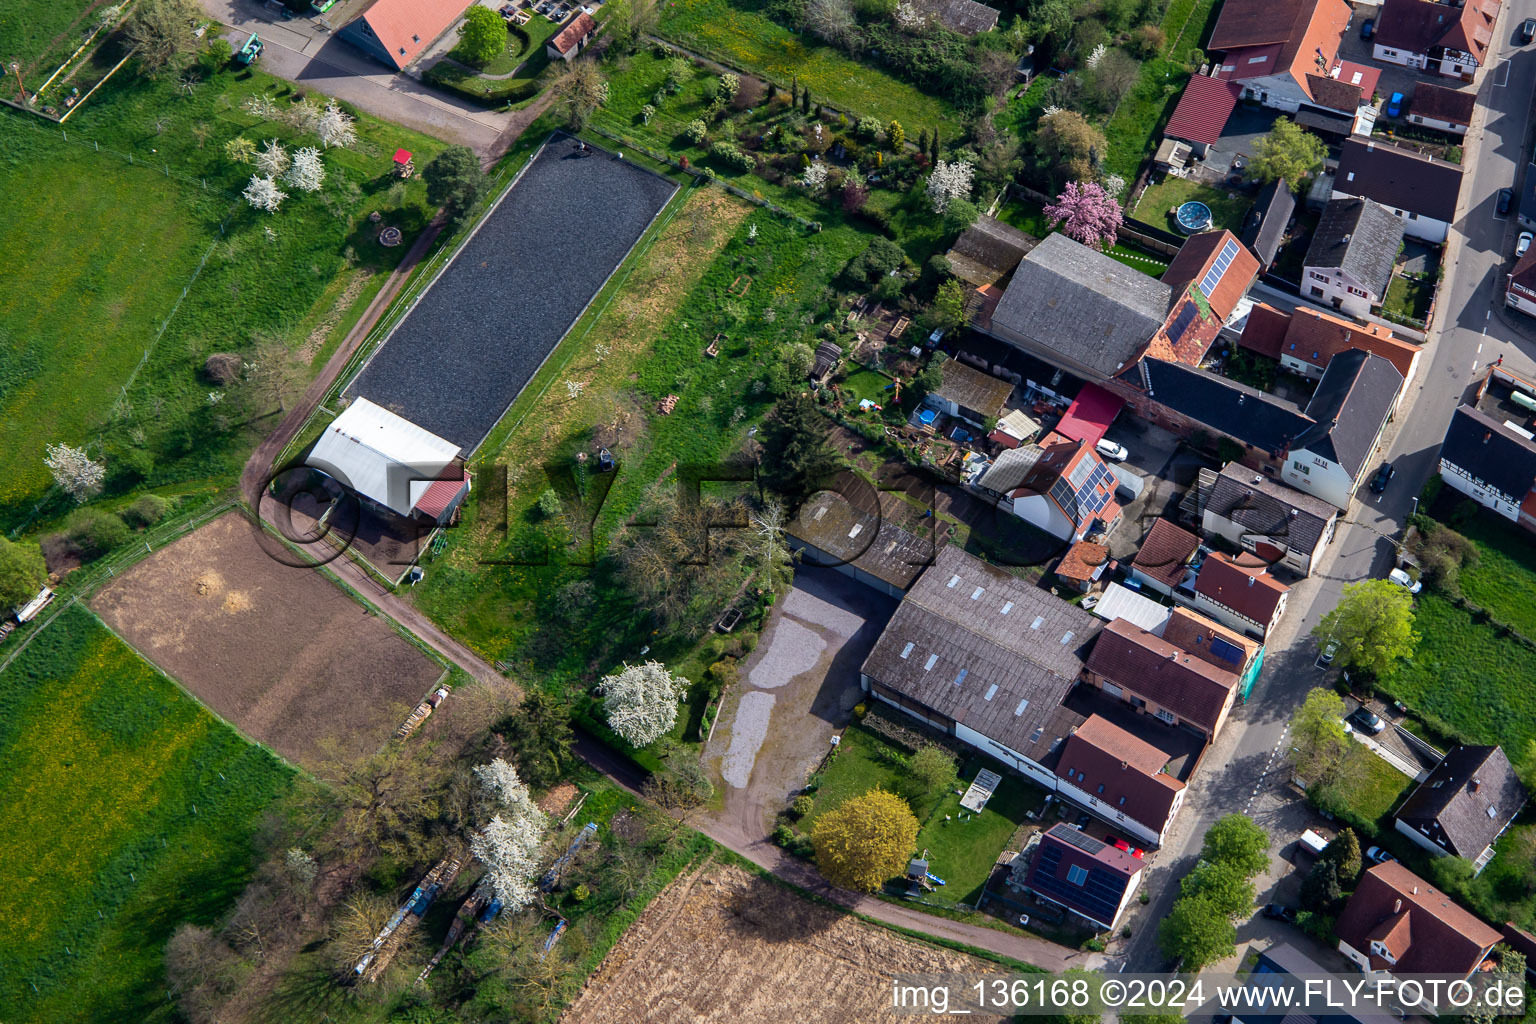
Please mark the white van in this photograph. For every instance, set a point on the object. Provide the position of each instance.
(1313, 841)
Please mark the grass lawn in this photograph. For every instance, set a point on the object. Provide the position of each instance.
(128, 809)
(1503, 580)
(1409, 297)
(1026, 216)
(866, 761)
(113, 244)
(1227, 209)
(33, 29)
(1506, 890)
(964, 852)
(870, 384)
(1464, 674)
(1367, 788)
(750, 40)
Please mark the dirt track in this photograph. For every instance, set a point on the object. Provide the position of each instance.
(278, 651)
(727, 947)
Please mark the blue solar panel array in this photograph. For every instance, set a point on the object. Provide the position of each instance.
(1181, 323)
(1226, 650)
(1098, 897)
(1212, 277)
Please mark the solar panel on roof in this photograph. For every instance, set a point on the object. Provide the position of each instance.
(1213, 276)
(1072, 837)
(1187, 314)
(1226, 650)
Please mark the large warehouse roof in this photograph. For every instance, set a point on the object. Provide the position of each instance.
(381, 456)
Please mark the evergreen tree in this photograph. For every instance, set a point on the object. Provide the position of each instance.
(922, 140)
(1342, 856)
(796, 455)
(805, 102)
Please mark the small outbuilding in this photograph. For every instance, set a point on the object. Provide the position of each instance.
(392, 463)
(572, 39)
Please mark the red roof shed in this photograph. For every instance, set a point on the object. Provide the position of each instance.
(1090, 414)
(1203, 110)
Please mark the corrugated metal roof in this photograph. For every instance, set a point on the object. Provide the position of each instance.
(381, 456)
(1120, 602)
(1203, 110)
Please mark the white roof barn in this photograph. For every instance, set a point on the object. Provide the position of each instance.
(390, 460)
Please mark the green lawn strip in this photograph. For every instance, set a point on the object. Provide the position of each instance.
(1506, 889)
(1465, 675)
(1025, 215)
(963, 852)
(1409, 298)
(1503, 580)
(107, 759)
(32, 30)
(1227, 209)
(98, 287)
(750, 40)
(1366, 790)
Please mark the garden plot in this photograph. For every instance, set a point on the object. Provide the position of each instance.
(729, 946)
(485, 326)
(280, 652)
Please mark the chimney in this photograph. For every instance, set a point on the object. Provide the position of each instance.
(1397, 905)
(1250, 580)
(1415, 890)
(1257, 478)
(1475, 783)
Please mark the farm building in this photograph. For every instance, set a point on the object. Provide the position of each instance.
(392, 463)
(849, 530)
(397, 31)
(987, 251)
(572, 39)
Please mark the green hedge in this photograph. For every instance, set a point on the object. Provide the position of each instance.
(489, 92)
(640, 758)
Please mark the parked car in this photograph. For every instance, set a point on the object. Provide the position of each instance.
(1313, 841)
(1395, 105)
(1522, 243)
(1376, 855)
(1402, 579)
(1084, 820)
(1111, 451)
(1125, 847)
(1280, 912)
(1329, 650)
(1364, 719)
(1506, 197)
(1527, 31)
(1367, 28)
(1383, 477)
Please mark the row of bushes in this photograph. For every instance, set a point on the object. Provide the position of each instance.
(488, 91)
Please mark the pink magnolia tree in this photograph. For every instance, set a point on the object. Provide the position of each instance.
(1087, 213)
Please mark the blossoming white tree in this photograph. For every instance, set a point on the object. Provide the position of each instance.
(75, 471)
(307, 172)
(336, 127)
(949, 181)
(263, 194)
(907, 17)
(509, 843)
(814, 178)
(641, 701)
(273, 160)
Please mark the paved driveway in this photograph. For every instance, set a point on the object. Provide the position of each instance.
(798, 688)
(303, 50)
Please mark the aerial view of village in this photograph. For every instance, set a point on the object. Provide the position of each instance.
(767, 511)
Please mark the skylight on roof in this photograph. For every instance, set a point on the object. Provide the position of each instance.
(952, 581)
(1007, 607)
(932, 660)
(907, 650)
(1039, 621)
(1022, 705)
(1066, 638)
(991, 692)
(960, 676)
(857, 529)
(976, 593)
(819, 513)
(1224, 260)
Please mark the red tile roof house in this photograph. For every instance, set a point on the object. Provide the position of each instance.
(1242, 596)
(397, 31)
(1202, 113)
(1093, 880)
(1162, 564)
(1082, 566)
(572, 39)
(1443, 39)
(1398, 923)
(1306, 341)
(1120, 778)
(1271, 47)
(1159, 679)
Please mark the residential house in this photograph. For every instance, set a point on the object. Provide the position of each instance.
(1443, 39)
(1157, 678)
(966, 17)
(1083, 565)
(1285, 968)
(969, 394)
(1080, 309)
(1120, 778)
(1190, 631)
(572, 39)
(1059, 485)
(1443, 108)
(1242, 596)
(1349, 263)
(1324, 450)
(986, 658)
(1162, 564)
(1420, 191)
(1464, 805)
(1305, 340)
(1209, 276)
(1202, 113)
(1491, 463)
(1271, 47)
(398, 31)
(1395, 922)
(850, 527)
(391, 463)
(987, 251)
(1093, 880)
(1278, 524)
(1341, 101)
(1520, 293)
(1265, 224)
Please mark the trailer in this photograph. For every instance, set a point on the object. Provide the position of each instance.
(382, 950)
(422, 710)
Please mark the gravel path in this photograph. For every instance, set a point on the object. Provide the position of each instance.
(506, 299)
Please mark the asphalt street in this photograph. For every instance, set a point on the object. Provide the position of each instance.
(1246, 769)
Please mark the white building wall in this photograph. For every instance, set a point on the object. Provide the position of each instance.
(1227, 617)
(1114, 815)
(1356, 957)
(1319, 477)
(1038, 510)
(1419, 838)
(1519, 300)
(1395, 56)
(1424, 228)
(1298, 561)
(1036, 772)
(1485, 496)
(1437, 123)
(1328, 285)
